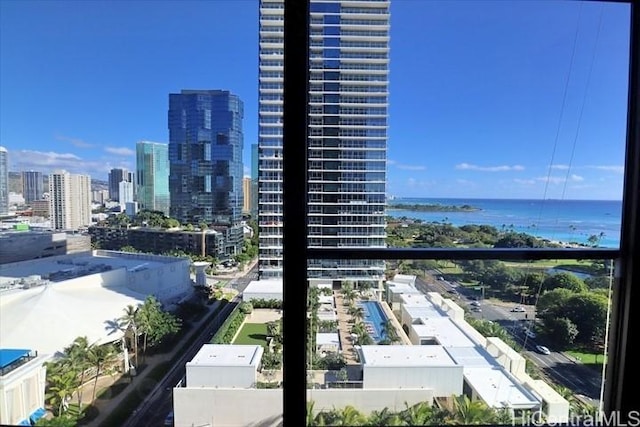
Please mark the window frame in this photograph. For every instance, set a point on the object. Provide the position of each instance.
(618, 397)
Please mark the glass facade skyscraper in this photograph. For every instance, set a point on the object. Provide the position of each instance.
(152, 175)
(205, 158)
(349, 67)
(4, 181)
(32, 186)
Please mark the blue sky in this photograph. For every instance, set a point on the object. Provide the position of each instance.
(487, 99)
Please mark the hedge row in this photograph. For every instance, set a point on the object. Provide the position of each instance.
(266, 303)
(229, 328)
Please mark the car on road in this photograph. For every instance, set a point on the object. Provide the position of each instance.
(518, 309)
(529, 333)
(168, 421)
(475, 303)
(476, 309)
(542, 349)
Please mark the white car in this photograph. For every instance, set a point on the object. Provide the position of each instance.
(518, 309)
(542, 349)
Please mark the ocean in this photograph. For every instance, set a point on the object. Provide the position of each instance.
(560, 220)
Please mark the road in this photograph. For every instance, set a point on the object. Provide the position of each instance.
(154, 409)
(582, 380)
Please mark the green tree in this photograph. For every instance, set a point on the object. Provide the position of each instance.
(564, 280)
(129, 323)
(560, 330)
(61, 386)
(417, 415)
(78, 356)
(467, 411)
(385, 417)
(100, 356)
(390, 331)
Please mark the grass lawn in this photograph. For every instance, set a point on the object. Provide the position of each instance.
(593, 359)
(252, 333)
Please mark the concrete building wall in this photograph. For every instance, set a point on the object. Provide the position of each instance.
(22, 391)
(221, 376)
(442, 380)
(224, 407)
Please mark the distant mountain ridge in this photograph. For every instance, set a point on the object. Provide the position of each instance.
(15, 183)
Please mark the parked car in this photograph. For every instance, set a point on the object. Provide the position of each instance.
(475, 303)
(518, 309)
(542, 349)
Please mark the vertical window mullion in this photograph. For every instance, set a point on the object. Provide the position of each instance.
(294, 148)
(620, 390)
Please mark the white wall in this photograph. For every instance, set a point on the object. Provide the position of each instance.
(221, 376)
(443, 380)
(254, 407)
(165, 281)
(22, 391)
(248, 296)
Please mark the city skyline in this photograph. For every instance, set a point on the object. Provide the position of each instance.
(523, 116)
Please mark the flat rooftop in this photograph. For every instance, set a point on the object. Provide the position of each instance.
(11, 355)
(227, 355)
(424, 312)
(447, 333)
(402, 288)
(323, 338)
(498, 389)
(83, 264)
(414, 299)
(266, 286)
(399, 356)
(405, 278)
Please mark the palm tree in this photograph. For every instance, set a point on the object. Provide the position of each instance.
(417, 415)
(100, 356)
(60, 388)
(129, 322)
(350, 416)
(78, 356)
(467, 411)
(389, 329)
(385, 417)
(357, 313)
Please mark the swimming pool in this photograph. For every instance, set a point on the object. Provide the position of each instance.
(374, 319)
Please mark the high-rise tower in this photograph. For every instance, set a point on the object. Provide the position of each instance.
(69, 200)
(205, 160)
(4, 181)
(152, 174)
(349, 66)
(32, 186)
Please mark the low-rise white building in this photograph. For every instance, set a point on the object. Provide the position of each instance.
(22, 384)
(263, 289)
(224, 366)
(327, 342)
(410, 367)
(47, 303)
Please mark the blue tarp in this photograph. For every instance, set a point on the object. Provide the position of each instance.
(10, 355)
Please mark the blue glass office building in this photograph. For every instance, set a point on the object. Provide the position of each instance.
(205, 158)
(152, 176)
(349, 70)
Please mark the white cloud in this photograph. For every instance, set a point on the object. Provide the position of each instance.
(560, 179)
(501, 168)
(405, 166)
(50, 161)
(560, 167)
(609, 168)
(77, 142)
(524, 181)
(120, 151)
